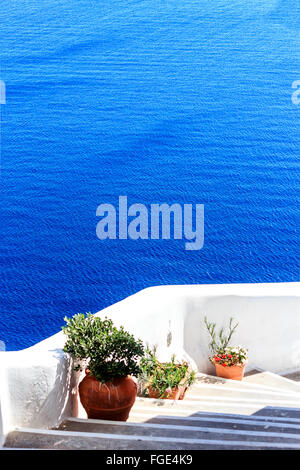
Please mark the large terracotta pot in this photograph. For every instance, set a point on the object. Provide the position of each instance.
(112, 400)
(230, 372)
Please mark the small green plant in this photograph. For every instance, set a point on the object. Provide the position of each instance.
(219, 341)
(222, 353)
(109, 352)
(164, 376)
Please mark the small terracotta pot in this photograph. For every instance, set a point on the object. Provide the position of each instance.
(177, 393)
(230, 372)
(111, 400)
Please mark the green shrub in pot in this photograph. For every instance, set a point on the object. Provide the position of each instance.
(111, 355)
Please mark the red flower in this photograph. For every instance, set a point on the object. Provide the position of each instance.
(230, 356)
(217, 359)
(224, 365)
(224, 356)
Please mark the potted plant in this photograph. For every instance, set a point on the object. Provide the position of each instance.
(111, 356)
(168, 380)
(229, 361)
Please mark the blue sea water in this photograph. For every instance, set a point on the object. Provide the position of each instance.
(185, 101)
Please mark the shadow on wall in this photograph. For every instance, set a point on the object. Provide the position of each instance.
(63, 395)
(195, 336)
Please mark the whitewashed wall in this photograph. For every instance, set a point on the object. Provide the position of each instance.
(38, 386)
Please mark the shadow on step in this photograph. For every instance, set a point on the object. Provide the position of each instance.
(266, 414)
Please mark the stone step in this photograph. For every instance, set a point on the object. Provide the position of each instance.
(279, 412)
(75, 440)
(228, 422)
(229, 391)
(273, 380)
(215, 404)
(237, 397)
(145, 414)
(209, 407)
(261, 412)
(249, 384)
(199, 430)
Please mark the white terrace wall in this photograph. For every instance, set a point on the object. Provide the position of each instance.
(38, 386)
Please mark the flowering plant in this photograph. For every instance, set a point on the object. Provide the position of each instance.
(222, 353)
(230, 356)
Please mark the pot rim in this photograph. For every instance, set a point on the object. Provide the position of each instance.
(89, 374)
(232, 365)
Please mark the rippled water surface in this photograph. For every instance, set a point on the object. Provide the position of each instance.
(162, 101)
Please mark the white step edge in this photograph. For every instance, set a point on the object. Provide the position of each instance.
(239, 399)
(221, 407)
(156, 439)
(249, 384)
(194, 428)
(283, 380)
(252, 389)
(194, 406)
(282, 377)
(222, 380)
(20, 448)
(213, 399)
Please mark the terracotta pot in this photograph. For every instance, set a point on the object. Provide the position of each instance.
(112, 400)
(230, 372)
(182, 393)
(177, 393)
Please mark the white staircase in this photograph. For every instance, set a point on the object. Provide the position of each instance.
(262, 412)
